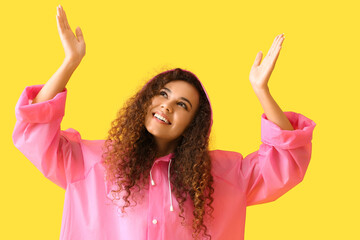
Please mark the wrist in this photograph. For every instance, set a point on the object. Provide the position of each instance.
(71, 62)
(262, 91)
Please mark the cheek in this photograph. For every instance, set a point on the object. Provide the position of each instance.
(155, 100)
(191, 119)
(147, 116)
(153, 103)
(185, 121)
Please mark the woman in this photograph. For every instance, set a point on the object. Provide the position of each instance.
(154, 177)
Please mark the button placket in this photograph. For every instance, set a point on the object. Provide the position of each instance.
(156, 207)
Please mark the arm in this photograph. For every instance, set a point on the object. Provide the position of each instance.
(272, 110)
(57, 154)
(259, 77)
(74, 48)
(281, 161)
(283, 158)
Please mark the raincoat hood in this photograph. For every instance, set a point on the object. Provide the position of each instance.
(167, 158)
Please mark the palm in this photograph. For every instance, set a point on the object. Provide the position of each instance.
(260, 71)
(74, 46)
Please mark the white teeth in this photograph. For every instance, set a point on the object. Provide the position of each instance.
(161, 118)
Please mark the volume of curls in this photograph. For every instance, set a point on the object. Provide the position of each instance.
(130, 152)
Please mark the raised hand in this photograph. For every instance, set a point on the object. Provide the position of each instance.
(260, 71)
(74, 46)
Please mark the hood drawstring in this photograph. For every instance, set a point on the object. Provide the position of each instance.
(171, 206)
(153, 183)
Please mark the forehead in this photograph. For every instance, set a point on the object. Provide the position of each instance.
(181, 87)
(184, 89)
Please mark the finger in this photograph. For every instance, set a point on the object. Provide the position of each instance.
(79, 34)
(59, 22)
(279, 40)
(61, 18)
(271, 49)
(66, 23)
(258, 58)
(274, 45)
(277, 50)
(279, 44)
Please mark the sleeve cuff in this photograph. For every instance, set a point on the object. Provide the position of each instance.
(272, 134)
(42, 112)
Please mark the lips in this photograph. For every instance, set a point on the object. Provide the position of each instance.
(161, 117)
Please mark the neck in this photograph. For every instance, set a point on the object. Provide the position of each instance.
(165, 147)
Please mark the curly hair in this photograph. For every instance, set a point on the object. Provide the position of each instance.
(130, 151)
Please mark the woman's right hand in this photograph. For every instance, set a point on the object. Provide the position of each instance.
(74, 47)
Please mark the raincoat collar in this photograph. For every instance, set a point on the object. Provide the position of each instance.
(109, 187)
(165, 158)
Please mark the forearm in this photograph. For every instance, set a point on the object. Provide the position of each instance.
(57, 82)
(272, 110)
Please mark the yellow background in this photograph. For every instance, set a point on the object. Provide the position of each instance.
(128, 42)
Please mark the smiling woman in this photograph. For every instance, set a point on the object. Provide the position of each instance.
(154, 176)
(177, 97)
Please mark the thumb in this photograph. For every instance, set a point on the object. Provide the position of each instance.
(258, 59)
(79, 34)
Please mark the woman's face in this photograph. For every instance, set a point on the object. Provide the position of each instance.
(172, 110)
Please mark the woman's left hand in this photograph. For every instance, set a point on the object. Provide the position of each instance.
(260, 71)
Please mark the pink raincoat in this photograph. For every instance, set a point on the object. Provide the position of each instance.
(75, 165)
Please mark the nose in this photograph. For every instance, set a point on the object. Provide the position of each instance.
(166, 106)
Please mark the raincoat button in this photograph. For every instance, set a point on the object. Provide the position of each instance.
(154, 221)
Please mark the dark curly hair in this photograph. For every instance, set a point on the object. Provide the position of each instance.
(130, 151)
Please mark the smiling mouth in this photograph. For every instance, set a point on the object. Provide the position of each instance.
(161, 118)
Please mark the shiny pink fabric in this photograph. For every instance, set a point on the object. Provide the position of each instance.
(75, 165)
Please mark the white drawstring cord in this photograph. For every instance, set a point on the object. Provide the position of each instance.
(171, 206)
(152, 181)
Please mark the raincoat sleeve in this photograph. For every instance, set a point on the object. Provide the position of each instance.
(281, 161)
(56, 153)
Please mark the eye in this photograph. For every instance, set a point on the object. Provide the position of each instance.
(183, 105)
(163, 93)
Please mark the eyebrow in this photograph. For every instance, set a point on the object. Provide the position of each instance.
(185, 99)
